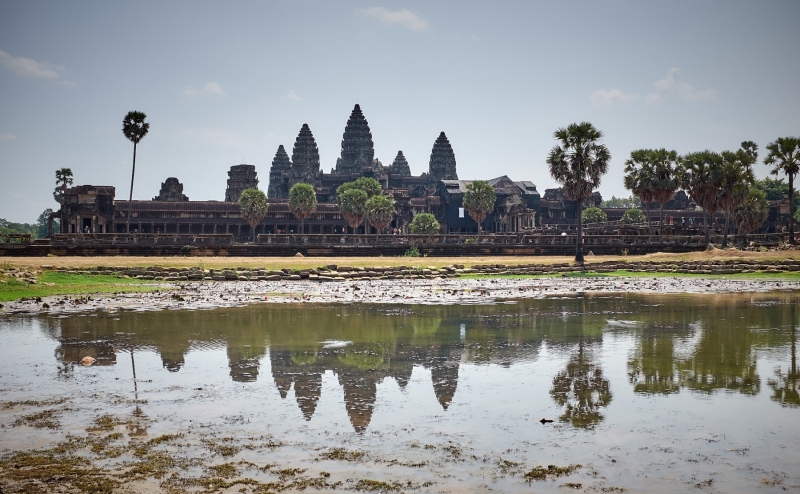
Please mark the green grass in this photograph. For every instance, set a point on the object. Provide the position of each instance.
(69, 284)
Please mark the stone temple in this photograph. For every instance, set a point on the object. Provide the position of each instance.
(438, 191)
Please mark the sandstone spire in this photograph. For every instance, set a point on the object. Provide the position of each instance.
(443, 161)
(279, 174)
(305, 158)
(400, 166)
(357, 147)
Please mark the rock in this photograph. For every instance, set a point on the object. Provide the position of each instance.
(299, 254)
(87, 361)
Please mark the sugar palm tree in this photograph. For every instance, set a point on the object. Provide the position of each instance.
(380, 211)
(479, 201)
(254, 207)
(352, 205)
(638, 179)
(697, 175)
(63, 180)
(735, 178)
(752, 212)
(577, 163)
(135, 128)
(369, 185)
(302, 203)
(784, 157)
(664, 179)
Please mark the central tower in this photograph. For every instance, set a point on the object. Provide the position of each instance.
(357, 147)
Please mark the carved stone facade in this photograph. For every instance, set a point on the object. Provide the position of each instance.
(279, 175)
(357, 147)
(240, 177)
(443, 161)
(171, 191)
(400, 166)
(305, 158)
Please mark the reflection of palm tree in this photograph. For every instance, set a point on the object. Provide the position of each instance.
(652, 370)
(582, 390)
(786, 387)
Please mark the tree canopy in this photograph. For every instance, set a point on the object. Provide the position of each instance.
(424, 224)
(479, 201)
(254, 207)
(784, 157)
(353, 206)
(302, 202)
(752, 212)
(63, 180)
(594, 215)
(380, 211)
(632, 216)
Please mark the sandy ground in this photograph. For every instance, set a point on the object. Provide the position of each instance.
(312, 262)
(211, 295)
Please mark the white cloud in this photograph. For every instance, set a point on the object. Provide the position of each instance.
(671, 85)
(292, 97)
(210, 89)
(403, 18)
(8, 137)
(28, 67)
(217, 137)
(607, 97)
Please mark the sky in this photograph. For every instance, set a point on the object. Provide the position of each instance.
(225, 83)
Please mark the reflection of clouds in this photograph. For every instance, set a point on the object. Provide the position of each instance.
(335, 344)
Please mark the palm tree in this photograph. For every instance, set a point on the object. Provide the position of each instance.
(380, 211)
(784, 156)
(479, 201)
(697, 175)
(369, 185)
(352, 205)
(254, 207)
(735, 178)
(639, 179)
(302, 203)
(63, 179)
(752, 212)
(577, 163)
(665, 180)
(134, 128)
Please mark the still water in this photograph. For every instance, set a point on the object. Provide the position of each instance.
(646, 393)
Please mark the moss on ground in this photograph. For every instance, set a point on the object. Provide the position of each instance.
(55, 283)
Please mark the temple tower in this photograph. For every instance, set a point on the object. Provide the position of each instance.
(171, 191)
(443, 161)
(305, 158)
(279, 174)
(357, 147)
(400, 166)
(240, 177)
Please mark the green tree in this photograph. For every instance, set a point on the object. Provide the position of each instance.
(134, 128)
(380, 211)
(735, 176)
(424, 224)
(302, 203)
(594, 215)
(369, 185)
(784, 157)
(43, 221)
(638, 179)
(622, 202)
(479, 201)
(63, 180)
(353, 206)
(664, 180)
(254, 207)
(633, 216)
(752, 212)
(577, 163)
(698, 176)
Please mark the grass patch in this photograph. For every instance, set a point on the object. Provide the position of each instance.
(54, 283)
(342, 455)
(40, 420)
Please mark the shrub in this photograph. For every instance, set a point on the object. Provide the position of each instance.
(593, 215)
(412, 251)
(424, 224)
(633, 216)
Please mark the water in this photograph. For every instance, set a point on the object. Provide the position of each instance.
(645, 392)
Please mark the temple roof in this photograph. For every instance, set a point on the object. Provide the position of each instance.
(305, 156)
(442, 165)
(400, 165)
(357, 147)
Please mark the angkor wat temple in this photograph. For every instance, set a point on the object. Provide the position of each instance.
(439, 191)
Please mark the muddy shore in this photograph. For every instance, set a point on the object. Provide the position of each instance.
(219, 294)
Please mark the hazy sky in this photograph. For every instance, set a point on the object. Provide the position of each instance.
(224, 83)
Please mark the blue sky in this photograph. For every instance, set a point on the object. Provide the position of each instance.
(224, 83)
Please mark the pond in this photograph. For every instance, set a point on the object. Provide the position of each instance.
(655, 392)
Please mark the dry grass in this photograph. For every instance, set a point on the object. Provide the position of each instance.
(313, 262)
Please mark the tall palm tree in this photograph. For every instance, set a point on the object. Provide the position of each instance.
(697, 175)
(577, 163)
(254, 207)
(479, 201)
(735, 177)
(784, 157)
(135, 128)
(352, 205)
(63, 179)
(639, 179)
(302, 202)
(380, 210)
(665, 180)
(752, 212)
